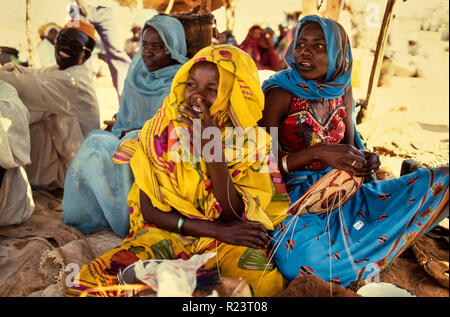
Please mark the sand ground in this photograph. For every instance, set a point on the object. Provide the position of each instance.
(410, 116)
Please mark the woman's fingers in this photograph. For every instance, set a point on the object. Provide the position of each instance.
(374, 161)
(372, 165)
(258, 234)
(207, 119)
(189, 112)
(255, 242)
(186, 120)
(354, 162)
(204, 108)
(247, 233)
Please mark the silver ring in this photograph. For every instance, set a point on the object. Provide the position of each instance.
(353, 162)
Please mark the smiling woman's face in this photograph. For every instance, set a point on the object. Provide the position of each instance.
(203, 83)
(310, 53)
(154, 51)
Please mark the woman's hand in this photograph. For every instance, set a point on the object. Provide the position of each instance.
(125, 132)
(371, 166)
(11, 66)
(341, 156)
(244, 233)
(200, 124)
(238, 232)
(222, 183)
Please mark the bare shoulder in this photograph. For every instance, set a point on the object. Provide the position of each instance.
(279, 95)
(276, 106)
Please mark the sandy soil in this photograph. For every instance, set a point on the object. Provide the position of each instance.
(410, 115)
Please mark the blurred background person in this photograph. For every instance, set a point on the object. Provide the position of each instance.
(132, 44)
(46, 49)
(227, 37)
(270, 35)
(62, 105)
(101, 14)
(16, 199)
(260, 47)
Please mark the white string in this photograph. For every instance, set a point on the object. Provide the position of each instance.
(329, 250)
(217, 260)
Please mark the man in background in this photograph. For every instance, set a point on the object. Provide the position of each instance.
(16, 199)
(62, 104)
(132, 44)
(100, 14)
(46, 49)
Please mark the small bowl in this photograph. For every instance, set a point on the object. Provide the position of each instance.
(383, 290)
(128, 277)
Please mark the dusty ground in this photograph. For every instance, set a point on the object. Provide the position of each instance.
(407, 273)
(410, 115)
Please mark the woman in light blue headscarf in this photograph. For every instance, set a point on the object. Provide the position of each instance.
(96, 189)
(144, 90)
(312, 105)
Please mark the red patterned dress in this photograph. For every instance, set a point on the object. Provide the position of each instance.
(302, 128)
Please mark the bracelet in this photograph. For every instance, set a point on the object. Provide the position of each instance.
(284, 164)
(180, 224)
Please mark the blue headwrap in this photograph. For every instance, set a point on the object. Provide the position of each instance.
(144, 92)
(338, 77)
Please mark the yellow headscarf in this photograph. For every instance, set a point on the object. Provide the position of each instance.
(184, 184)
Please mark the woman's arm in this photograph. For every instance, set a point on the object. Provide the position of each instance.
(372, 163)
(222, 184)
(225, 192)
(250, 234)
(340, 156)
(276, 108)
(349, 136)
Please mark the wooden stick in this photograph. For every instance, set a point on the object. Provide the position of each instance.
(205, 6)
(378, 61)
(169, 7)
(29, 35)
(82, 7)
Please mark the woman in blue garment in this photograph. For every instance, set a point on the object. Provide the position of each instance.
(312, 105)
(96, 189)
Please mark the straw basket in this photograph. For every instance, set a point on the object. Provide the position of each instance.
(198, 30)
(329, 193)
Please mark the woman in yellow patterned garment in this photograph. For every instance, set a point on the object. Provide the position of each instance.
(224, 200)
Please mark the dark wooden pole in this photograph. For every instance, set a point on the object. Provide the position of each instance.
(169, 7)
(205, 6)
(377, 62)
(206, 29)
(82, 6)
